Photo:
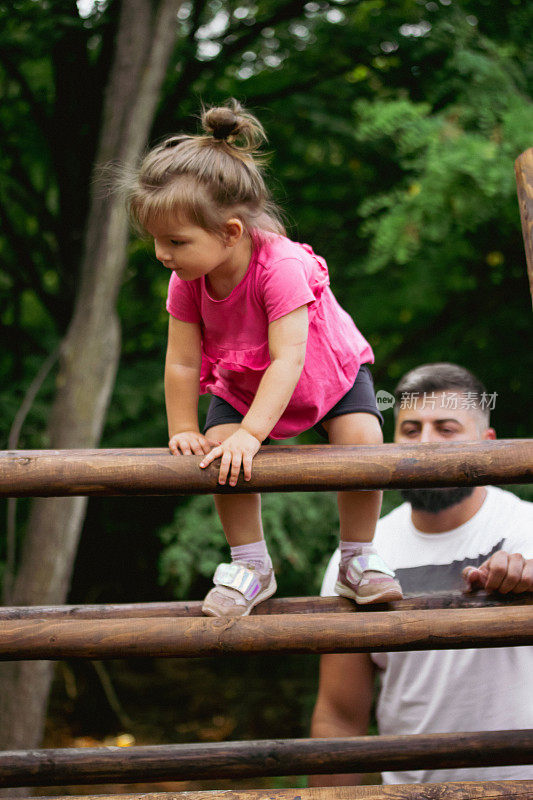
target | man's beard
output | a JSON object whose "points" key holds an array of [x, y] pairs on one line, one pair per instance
{"points": [[435, 500]]}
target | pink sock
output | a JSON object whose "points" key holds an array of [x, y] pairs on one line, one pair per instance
{"points": [[255, 553], [351, 549]]}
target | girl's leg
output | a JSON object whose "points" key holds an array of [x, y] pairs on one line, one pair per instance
{"points": [[237, 592], [240, 514], [358, 515], [358, 511]]}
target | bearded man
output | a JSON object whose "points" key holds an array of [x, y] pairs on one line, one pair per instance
{"points": [[439, 540]]}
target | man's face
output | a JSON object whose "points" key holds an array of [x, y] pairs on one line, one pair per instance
{"points": [[439, 417]]}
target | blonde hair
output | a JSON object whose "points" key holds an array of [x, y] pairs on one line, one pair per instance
{"points": [[208, 178]]}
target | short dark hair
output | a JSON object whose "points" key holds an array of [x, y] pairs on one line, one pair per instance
{"points": [[442, 377]]}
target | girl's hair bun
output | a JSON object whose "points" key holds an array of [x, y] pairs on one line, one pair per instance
{"points": [[207, 178], [232, 122], [221, 122]]}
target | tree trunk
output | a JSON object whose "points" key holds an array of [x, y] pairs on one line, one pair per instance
{"points": [[90, 350]]}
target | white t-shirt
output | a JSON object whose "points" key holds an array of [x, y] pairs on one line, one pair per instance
{"points": [[442, 691]]}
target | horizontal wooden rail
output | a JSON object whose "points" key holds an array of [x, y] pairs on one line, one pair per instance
{"points": [[292, 633], [474, 790], [276, 605], [43, 473], [253, 759]]}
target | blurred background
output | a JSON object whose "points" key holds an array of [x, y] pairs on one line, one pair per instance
{"points": [[393, 128]]}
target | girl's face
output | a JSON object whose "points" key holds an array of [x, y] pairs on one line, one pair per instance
{"points": [[188, 250]]}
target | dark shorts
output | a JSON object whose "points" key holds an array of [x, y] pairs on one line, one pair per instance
{"points": [[360, 398]]}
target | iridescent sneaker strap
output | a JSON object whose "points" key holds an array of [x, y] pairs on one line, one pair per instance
{"points": [[237, 577], [371, 562]]}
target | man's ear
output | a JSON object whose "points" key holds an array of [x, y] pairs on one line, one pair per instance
{"points": [[489, 433], [233, 231]]}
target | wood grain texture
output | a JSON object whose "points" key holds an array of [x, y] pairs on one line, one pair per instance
{"points": [[252, 759], [295, 633], [482, 790], [48, 473], [524, 185], [275, 605]]}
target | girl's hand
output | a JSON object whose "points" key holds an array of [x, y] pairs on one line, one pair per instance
{"points": [[238, 448], [188, 443]]}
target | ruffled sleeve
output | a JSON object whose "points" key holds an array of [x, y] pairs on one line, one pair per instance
{"points": [[290, 275], [284, 287], [183, 299]]}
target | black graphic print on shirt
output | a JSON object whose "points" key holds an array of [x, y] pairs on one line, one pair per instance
{"points": [[434, 578]]}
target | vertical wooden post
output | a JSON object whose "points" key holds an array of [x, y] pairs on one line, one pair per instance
{"points": [[524, 184]]}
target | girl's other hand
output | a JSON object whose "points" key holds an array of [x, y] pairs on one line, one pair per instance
{"points": [[188, 443], [237, 449]]}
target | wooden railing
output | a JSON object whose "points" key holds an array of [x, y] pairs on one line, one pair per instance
{"points": [[282, 625], [274, 757], [46, 473]]}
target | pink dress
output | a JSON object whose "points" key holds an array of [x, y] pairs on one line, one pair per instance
{"points": [[281, 277]]}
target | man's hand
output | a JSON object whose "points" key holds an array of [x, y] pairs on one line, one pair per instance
{"points": [[188, 443], [503, 572], [237, 449]]}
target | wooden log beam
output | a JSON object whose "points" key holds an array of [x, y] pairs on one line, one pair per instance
{"points": [[474, 790], [293, 633], [524, 184], [253, 759], [41, 473], [276, 605]]}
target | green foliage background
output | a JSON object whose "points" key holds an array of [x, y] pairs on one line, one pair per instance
{"points": [[393, 130]]}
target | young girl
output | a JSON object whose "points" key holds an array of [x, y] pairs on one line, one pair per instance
{"points": [[254, 323]]}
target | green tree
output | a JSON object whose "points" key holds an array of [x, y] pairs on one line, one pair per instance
{"points": [[91, 345], [83, 92], [393, 128]]}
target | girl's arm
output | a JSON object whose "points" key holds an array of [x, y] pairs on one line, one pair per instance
{"points": [[182, 382], [287, 341]]}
